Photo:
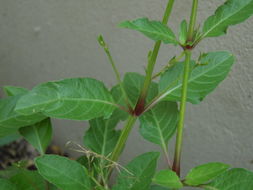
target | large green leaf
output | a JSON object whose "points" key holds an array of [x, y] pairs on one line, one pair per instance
{"points": [[231, 13], [234, 179], [75, 99], [14, 90], [159, 124], [64, 173], [39, 135], [133, 83], [204, 173], [203, 79], [139, 173], [10, 120], [28, 180], [167, 178], [155, 30], [7, 185], [102, 136]]}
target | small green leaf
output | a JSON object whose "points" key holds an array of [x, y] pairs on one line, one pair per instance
{"points": [[28, 180], [204, 173], [14, 90], [10, 120], [231, 13], [7, 185], [167, 178], [183, 32], [138, 174], [203, 79], [159, 124], [133, 83], [75, 99], [155, 30], [234, 179], [39, 135], [64, 173]]}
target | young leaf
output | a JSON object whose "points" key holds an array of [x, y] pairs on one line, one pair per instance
{"points": [[167, 178], [231, 13], [64, 173], [138, 174], [159, 124], [155, 30], [7, 185], [75, 99], [183, 32], [204, 173], [28, 180], [203, 79], [133, 83], [39, 135], [10, 120], [102, 136], [13, 90], [234, 179]]}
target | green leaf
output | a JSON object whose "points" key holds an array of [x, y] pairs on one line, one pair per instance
{"points": [[28, 180], [167, 178], [138, 174], [155, 30], [157, 187], [64, 173], [203, 78], [183, 32], [102, 136], [13, 90], [231, 13], [204, 173], [7, 185], [75, 99], [8, 139], [159, 124], [133, 83], [39, 135], [10, 120], [234, 179]]}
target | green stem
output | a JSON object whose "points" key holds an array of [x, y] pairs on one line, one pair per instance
{"points": [[179, 138], [122, 139], [107, 51], [152, 60], [193, 19]]}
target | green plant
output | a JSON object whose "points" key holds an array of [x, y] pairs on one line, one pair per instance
{"points": [[183, 79]]}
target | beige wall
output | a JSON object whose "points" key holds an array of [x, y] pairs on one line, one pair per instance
{"points": [[42, 40]]}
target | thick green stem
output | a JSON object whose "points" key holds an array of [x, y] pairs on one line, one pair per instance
{"points": [[152, 61], [179, 138], [123, 138]]}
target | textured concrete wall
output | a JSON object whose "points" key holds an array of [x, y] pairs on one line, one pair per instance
{"points": [[42, 40]]}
